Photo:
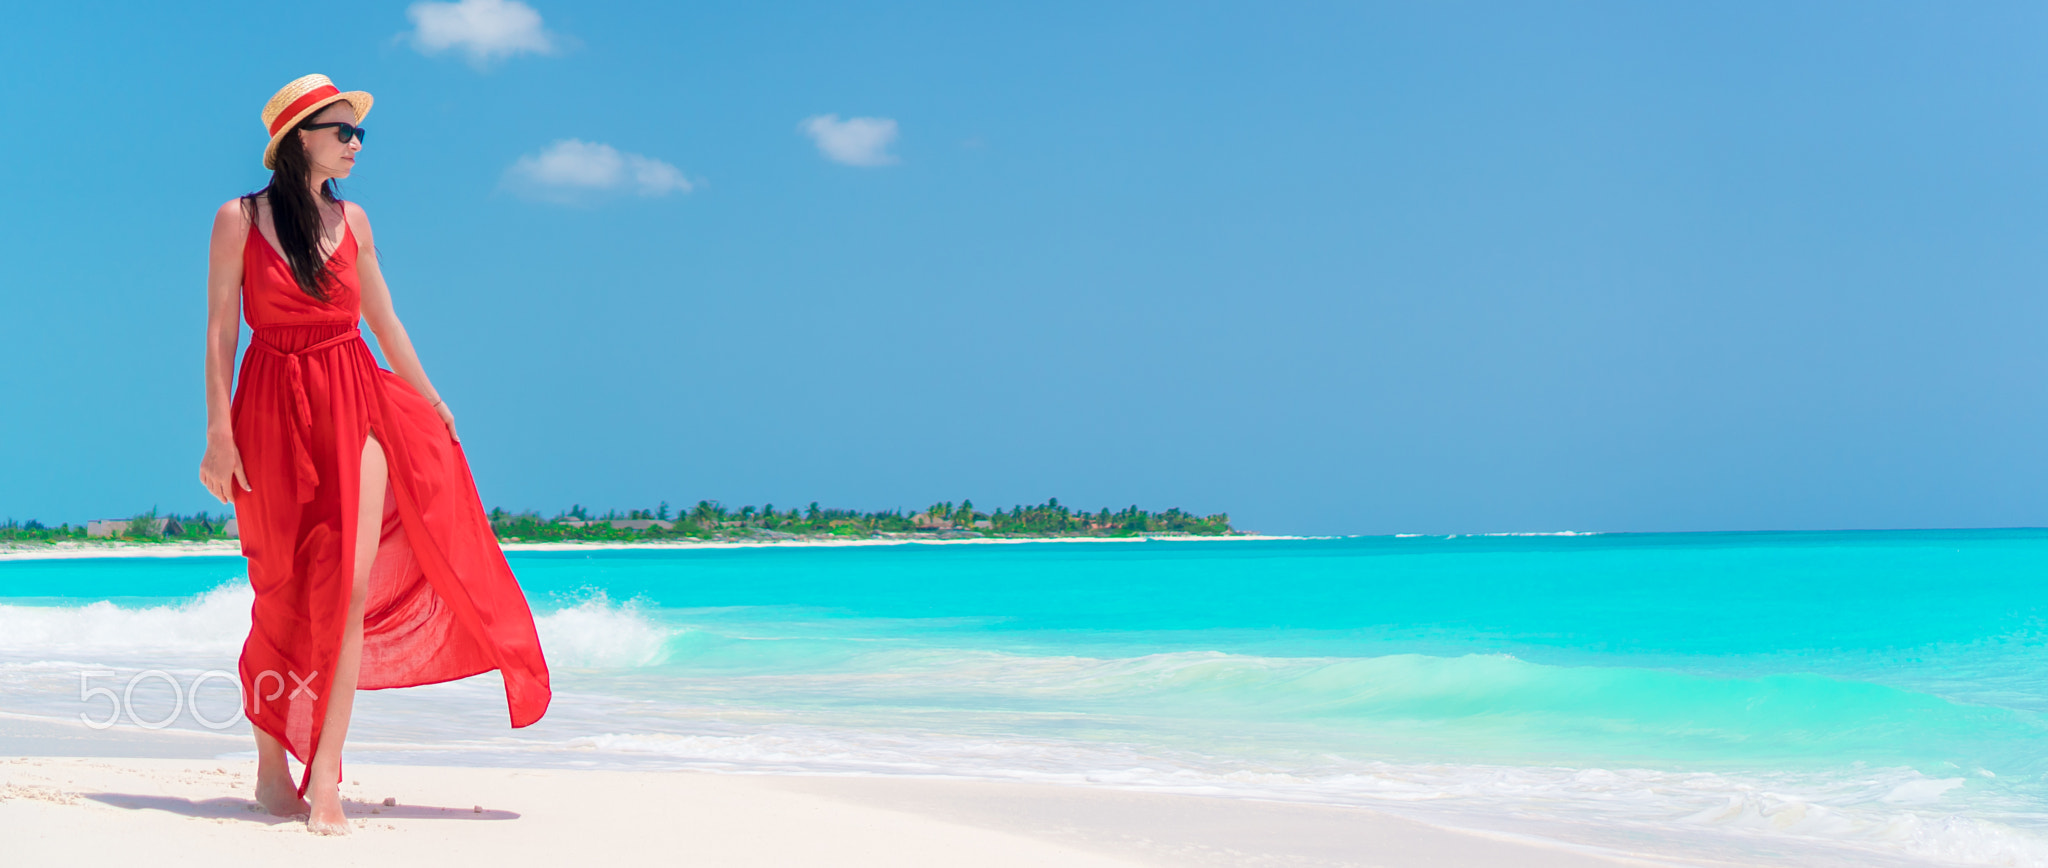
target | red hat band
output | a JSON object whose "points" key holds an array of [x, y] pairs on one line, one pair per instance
{"points": [[298, 105]]}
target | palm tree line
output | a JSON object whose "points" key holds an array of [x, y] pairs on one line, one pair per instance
{"points": [[709, 519], [148, 526]]}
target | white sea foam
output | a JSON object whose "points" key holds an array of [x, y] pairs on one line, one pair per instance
{"points": [[595, 633], [1921, 792], [599, 634], [210, 624], [1847, 821]]}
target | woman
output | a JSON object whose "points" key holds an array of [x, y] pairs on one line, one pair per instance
{"points": [[373, 563]]}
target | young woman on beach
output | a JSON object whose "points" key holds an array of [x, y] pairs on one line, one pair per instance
{"points": [[373, 563]]}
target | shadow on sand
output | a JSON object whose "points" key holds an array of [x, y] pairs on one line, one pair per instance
{"points": [[226, 808]]}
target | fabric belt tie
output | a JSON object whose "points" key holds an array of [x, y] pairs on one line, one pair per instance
{"points": [[302, 409]]}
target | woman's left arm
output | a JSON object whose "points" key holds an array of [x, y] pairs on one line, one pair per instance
{"points": [[383, 318]]}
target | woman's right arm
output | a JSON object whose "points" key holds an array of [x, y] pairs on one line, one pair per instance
{"points": [[221, 469]]}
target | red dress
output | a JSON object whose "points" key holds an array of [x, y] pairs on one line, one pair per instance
{"points": [[442, 601]]}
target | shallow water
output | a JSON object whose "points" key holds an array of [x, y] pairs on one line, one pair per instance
{"points": [[1815, 698]]}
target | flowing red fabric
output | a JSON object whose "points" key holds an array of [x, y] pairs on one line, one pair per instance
{"points": [[442, 600]]}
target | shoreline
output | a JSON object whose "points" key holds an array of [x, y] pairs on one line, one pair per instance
{"points": [[163, 793], [221, 548], [108, 810]]}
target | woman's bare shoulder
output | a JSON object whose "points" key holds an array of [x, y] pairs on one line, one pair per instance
{"points": [[231, 210], [230, 222], [356, 217]]}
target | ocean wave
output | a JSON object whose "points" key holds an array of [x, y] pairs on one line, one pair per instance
{"points": [[600, 634], [1474, 705], [1478, 705], [1545, 533], [593, 633], [211, 624]]}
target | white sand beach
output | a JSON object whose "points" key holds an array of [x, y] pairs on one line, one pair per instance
{"points": [[117, 549], [172, 812]]}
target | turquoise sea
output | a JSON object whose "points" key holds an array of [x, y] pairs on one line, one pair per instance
{"points": [[1843, 698]]}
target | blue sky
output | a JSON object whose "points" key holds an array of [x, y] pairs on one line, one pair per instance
{"points": [[1334, 268]]}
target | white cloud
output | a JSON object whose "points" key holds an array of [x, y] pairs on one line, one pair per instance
{"points": [[483, 30], [573, 170], [854, 141]]}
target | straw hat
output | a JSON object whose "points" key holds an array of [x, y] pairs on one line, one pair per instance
{"points": [[298, 101]]}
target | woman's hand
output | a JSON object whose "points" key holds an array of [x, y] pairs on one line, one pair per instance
{"points": [[448, 419], [221, 469]]}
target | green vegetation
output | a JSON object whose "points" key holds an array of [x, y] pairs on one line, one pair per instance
{"points": [[150, 526], [144, 526], [710, 520], [35, 531]]}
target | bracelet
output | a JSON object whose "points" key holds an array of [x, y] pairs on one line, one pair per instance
{"points": [[437, 403]]}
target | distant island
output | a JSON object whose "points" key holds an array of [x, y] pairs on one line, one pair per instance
{"points": [[707, 521]]}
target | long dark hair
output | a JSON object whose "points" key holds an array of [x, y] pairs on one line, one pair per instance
{"points": [[296, 214]]}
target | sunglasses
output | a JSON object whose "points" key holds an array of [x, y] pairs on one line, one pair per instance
{"points": [[342, 130]]}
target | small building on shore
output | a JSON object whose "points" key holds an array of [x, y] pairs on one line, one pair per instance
{"points": [[113, 527], [621, 523], [108, 528], [640, 524]]}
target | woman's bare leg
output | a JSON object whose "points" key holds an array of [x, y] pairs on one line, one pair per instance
{"points": [[275, 790], [325, 787]]}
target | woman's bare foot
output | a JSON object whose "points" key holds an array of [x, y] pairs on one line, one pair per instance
{"points": [[274, 790], [280, 799], [327, 817]]}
